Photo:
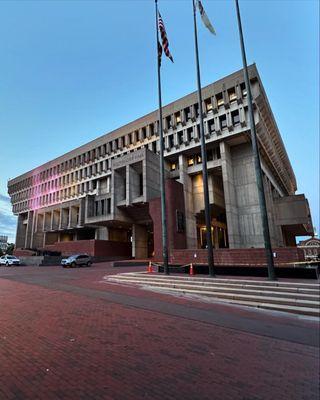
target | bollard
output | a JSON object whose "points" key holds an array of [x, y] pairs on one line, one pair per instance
{"points": [[150, 270]]}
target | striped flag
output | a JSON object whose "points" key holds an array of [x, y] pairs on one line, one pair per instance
{"points": [[205, 18], [159, 53], [163, 33]]}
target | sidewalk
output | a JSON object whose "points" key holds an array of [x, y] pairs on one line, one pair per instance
{"points": [[65, 335]]}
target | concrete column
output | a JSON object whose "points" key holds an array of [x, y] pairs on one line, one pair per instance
{"points": [[230, 197], [191, 227], [139, 241], [102, 233]]}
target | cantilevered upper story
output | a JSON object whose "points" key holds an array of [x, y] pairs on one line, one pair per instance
{"points": [[107, 184]]}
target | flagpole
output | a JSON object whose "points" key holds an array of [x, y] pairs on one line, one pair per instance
{"points": [[203, 153], [162, 172], [256, 155]]}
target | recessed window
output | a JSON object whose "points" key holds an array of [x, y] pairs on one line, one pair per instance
{"points": [[190, 161], [211, 126], [235, 118], [199, 159], [196, 110], [223, 121], [220, 100], [190, 134], [188, 113], [232, 95], [170, 139], [208, 104], [180, 137], [178, 117], [243, 89], [173, 166]]}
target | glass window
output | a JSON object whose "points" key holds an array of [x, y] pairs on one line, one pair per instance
{"points": [[220, 100], [223, 121], [208, 104], [190, 161], [235, 117]]}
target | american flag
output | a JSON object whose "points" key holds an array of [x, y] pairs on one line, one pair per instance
{"points": [[163, 33], [159, 53]]}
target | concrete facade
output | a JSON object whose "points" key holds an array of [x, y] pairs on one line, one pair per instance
{"points": [[104, 190]]}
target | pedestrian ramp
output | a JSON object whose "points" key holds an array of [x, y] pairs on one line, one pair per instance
{"points": [[292, 297]]}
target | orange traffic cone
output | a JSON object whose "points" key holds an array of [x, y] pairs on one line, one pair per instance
{"points": [[150, 270], [191, 271]]}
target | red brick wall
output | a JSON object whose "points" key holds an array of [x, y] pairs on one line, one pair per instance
{"points": [[174, 201], [97, 248], [236, 256], [23, 253]]}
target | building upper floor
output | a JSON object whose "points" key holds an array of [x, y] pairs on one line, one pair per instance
{"points": [[76, 173]]}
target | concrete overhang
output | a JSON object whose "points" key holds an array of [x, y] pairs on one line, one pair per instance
{"points": [[293, 215]]}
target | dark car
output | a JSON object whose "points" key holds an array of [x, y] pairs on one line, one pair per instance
{"points": [[77, 260]]}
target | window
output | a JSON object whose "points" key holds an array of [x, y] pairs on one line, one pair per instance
{"points": [[108, 206], [235, 118], [199, 159], [243, 89], [173, 166], [196, 110], [208, 105], [223, 121], [188, 113], [144, 133], [190, 161], [209, 155], [170, 140], [168, 120], [180, 137], [232, 95], [154, 146], [211, 126], [178, 117], [190, 134], [220, 100], [102, 207]]}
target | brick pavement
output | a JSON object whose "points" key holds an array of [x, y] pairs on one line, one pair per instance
{"points": [[55, 344]]}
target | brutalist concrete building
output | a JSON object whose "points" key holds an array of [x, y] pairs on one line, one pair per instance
{"points": [[107, 192]]}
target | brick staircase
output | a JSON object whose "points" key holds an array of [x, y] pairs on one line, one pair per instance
{"points": [[292, 297]]}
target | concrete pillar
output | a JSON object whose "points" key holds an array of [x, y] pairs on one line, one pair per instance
{"points": [[139, 241], [102, 233], [191, 226], [230, 197]]}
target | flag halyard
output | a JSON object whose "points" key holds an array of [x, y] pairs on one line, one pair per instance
{"points": [[205, 18], [164, 38]]}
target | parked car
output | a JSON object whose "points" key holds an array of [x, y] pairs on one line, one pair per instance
{"points": [[9, 260], [75, 260]]}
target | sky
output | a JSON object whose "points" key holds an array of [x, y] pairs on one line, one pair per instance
{"points": [[73, 70]]}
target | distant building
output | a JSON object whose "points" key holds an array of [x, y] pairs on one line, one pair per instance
{"points": [[109, 188], [311, 248], [3, 243]]}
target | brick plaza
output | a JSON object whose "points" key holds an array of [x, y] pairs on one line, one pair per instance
{"points": [[67, 334]]}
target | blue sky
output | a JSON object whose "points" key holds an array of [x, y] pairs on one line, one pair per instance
{"points": [[73, 70]]}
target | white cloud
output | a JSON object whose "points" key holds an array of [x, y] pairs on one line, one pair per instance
{"points": [[8, 221]]}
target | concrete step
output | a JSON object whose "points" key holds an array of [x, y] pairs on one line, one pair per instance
{"points": [[219, 288], [207, 282], [294, 297]]}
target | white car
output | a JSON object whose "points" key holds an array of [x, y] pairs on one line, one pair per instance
{"points": [[9, 260]]}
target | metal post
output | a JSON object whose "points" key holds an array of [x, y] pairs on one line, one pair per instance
{"points": [[162, 172], [257, 164], [203, 153]]}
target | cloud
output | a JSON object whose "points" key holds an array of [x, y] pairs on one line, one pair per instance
{"points": [[8, 221]]}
